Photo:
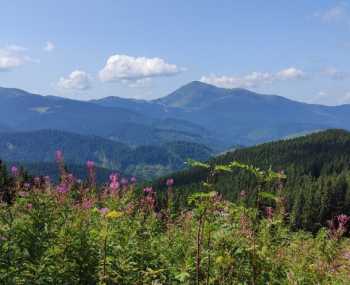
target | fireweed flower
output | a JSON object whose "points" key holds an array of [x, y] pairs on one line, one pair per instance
{"points": [[29, 206], [343, 219], [90, 164], [87, 204], [133, 180], [114, 183], [14, 171], [269, 212], [26, 185], [23, 194], [104, 211], [170, 182], [62, 189], [59, 155], [148, 190]]}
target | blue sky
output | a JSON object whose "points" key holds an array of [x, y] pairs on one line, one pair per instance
{"points": [[146, 49]]}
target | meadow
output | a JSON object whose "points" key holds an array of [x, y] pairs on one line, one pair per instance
{"points": [[125, 232]]}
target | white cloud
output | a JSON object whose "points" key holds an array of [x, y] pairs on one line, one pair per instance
{"points": [[290, 73], [49, 46], [12, 56], [334, 73], [333, 14], [77, 80], [124, 67], [253, 79]]}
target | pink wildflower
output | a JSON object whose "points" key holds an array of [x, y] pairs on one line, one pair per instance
{"points": [[170, 182], [104, 211], [59, 156], [14, 170]]}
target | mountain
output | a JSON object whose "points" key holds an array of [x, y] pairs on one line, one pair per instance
{"points": [[239, 116], [317, 167], [23, 111], [245, 117], [40, 146], [196, 112]]}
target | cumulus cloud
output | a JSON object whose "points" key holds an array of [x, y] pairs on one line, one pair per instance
{"points": [[12, 56], [253, 79], [124, 67], [77, 80], [290, 73], [49, 46]]}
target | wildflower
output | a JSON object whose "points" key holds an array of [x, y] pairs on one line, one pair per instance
{"points": [[148, 190], [59, 156], [23, 194], [26, 185], [104, 211], [133, 180], [170, 182], [114, 214], [29, 206], [242, 194], [90, 164], [62, 189], [343, 219], [87, 204], [14, 170], [269, 212]]}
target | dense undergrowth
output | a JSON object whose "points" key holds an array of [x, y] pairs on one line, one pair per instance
{"points": [[77, 233]]}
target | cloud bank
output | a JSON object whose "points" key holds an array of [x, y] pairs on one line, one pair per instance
{"points": [[254, 79]]}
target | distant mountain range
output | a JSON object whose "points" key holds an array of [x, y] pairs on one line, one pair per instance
{"points": [[197, 112], [38, 147]]}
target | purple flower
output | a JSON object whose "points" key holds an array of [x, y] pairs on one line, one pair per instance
{"points": [[170, 182], [87, 204], [242, 194], [148, 190], [14, 170], [26, 185], [113, 177], [269, 212], [90, 164], [104, 211], [343, 219], [62, 189], [23, 194], [133, 180], [29, 206], [59, 155]]}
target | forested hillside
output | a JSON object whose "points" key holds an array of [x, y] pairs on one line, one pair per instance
{"points": [[317, 168], [37, 147]]}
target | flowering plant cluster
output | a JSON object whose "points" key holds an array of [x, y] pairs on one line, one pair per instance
{"points": [[77, 233]]}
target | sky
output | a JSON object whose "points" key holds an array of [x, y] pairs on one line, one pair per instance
{"points": [[146, 49]]}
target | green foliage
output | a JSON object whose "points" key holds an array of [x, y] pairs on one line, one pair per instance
{"points": [[315, 177], [84, 235]]}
